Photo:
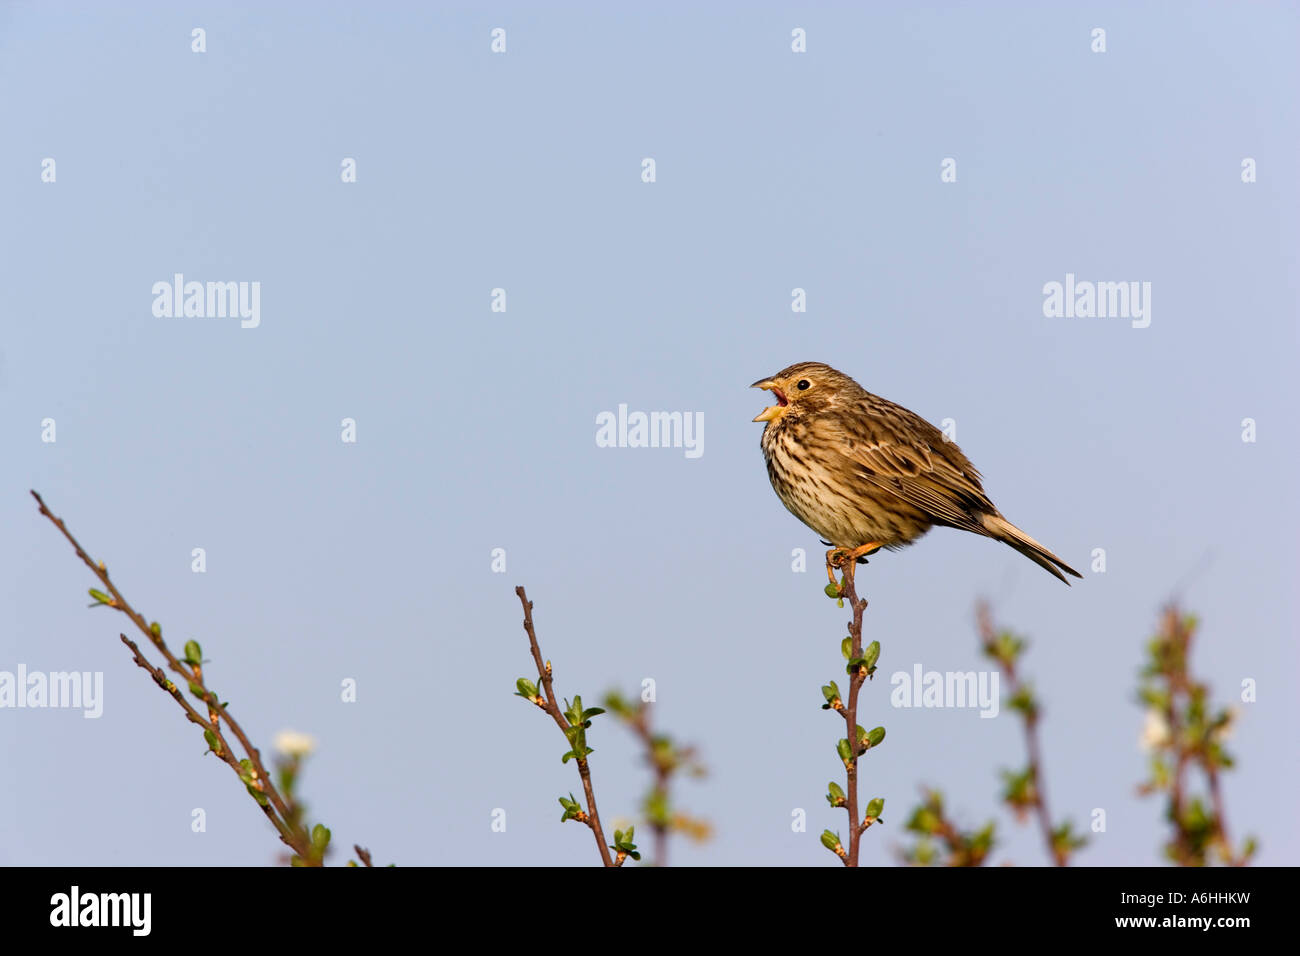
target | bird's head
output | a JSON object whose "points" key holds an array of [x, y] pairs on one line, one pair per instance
{"points": [[803, 388]]}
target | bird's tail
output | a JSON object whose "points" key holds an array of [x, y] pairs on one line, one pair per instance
{"points": [[999, 527]]}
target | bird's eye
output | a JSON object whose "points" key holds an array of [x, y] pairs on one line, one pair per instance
{"points": [[803, 384]]}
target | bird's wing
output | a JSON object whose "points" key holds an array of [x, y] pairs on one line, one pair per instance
{"points": [[906, 455]]}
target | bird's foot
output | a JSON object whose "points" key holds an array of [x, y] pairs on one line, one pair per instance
{"points": [[846, 559]]}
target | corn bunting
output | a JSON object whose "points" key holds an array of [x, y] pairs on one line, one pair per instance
{"points": [[866, 474]]}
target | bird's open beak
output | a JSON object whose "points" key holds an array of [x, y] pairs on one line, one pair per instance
{"points": [[772, 412]]}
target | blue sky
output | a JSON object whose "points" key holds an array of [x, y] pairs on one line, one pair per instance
{"points": [[371, 561]]}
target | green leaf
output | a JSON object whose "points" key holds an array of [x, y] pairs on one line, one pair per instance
{"points": [[100, 596], [924, 820], [832, 591], [1023, 701], [846, 647], [623, 843], [831, 692], [871, 654], [320, 836], [525, 689], [198, 691], [571, 808], [578, 753], [193, 653], [617, 705], [830, 840], [656, 808], [875, 737], [876, 807]]}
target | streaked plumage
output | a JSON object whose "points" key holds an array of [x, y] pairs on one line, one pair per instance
{"points": [[858, 469]]}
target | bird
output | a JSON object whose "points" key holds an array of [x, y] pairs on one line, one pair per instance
{"points": [[866, 474]]}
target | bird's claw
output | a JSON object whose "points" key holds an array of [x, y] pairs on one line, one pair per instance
{"points": [[846, 560]]}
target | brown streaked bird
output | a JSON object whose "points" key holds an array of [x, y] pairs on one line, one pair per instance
{"points": [[866, 474]]}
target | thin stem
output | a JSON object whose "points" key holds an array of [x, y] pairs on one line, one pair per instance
{"points": [[988, 634], [850, 713], [277, 812], [1178, 635], [640, 724], [1216, 798], [1040, 787], [224, 751], [552, 707], [1178, 640]]}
